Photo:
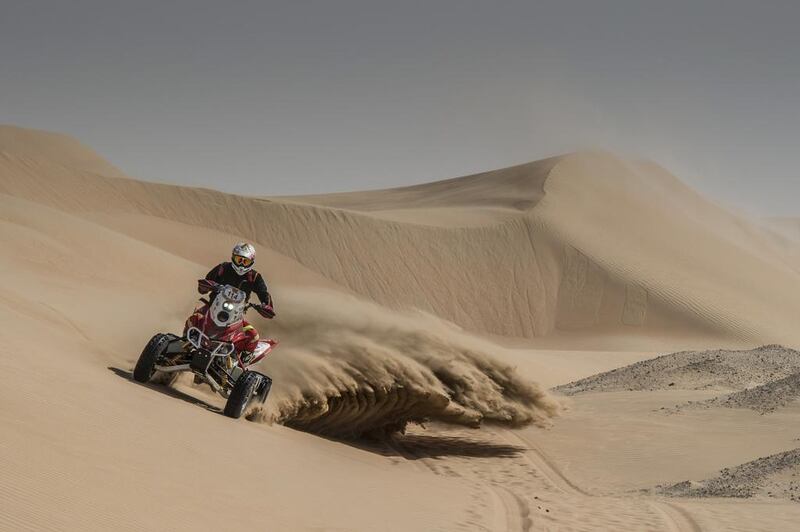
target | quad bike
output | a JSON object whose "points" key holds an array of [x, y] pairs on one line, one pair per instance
{"points": [[208, 349]]}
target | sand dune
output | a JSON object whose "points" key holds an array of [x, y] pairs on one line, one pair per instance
{"points": [[566, 259], [86, 449], [34, 144], [386, 368], [482, 199], [392, 308], [91, 285]]}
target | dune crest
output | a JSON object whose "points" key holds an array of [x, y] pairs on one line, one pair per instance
{"points": [[572, 243], [34, 144]]}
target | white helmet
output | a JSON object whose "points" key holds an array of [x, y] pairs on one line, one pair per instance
{"points": [[243, 257]]}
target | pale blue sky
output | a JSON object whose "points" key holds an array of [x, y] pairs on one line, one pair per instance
{"points": [[312, 96]]}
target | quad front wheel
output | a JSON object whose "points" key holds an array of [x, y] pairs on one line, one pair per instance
{"points": [[243, 390], [145, 366]]}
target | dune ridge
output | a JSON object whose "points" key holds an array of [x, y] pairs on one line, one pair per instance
{"points": [[547, 261], [54, 147]]}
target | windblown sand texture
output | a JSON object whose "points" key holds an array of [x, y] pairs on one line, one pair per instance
{"points": [[455, 304]]}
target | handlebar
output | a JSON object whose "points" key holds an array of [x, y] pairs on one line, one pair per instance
{"points": [[205, 286], [266, 311]]}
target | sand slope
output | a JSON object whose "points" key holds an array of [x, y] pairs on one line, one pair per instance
{"points": [[380, 297], [80, 293], [56, 148], [85, 448], [591, 242]]}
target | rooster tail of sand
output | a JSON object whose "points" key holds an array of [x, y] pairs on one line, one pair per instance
{"points": [[350, 368]]}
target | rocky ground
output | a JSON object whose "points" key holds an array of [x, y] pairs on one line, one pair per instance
{"points": [[765, 398], [699, 370], [763, 379], [776, 476]]}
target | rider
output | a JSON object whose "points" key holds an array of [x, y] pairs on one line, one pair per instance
{"points": [[239, 273]]}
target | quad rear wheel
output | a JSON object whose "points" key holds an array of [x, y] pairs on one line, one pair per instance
{"points": [[243, 390], [145, 366], [263, 389]]}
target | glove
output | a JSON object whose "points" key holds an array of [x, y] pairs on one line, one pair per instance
{"points": [[205, 286], [267, 311]]}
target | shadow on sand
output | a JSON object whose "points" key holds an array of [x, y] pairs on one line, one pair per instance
{"points": [[408, 446], [419, 446], [166, 390]]}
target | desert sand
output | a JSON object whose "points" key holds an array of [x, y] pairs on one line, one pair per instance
{"points": [[476, 305]]}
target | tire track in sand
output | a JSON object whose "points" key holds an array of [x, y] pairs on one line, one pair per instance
{"points": [[514, 514], [509, 511], [677, 519], [544, 465]]}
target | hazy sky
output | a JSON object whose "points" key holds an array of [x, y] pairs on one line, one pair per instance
{"points": [[310, 96]]}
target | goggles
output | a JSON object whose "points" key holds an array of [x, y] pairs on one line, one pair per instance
{"points": [[242, 261]]}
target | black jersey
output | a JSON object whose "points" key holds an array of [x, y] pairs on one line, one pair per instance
{"points": [[249, 282]]}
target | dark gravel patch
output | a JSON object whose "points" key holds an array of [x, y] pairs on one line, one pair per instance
{"points": [[696, 370], [776, 476]]}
